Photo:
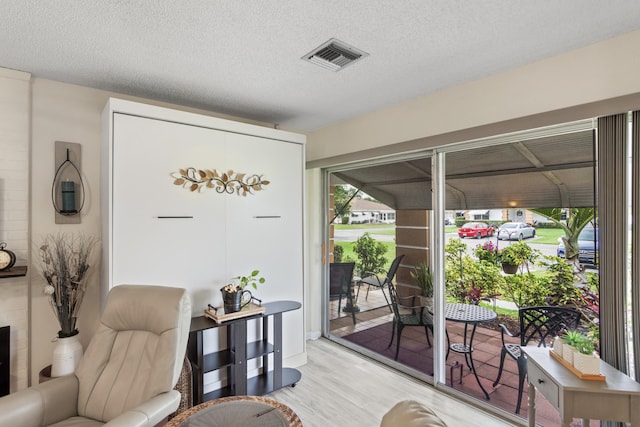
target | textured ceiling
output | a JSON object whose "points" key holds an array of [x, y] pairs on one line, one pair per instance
{"points": [[242, 57]]}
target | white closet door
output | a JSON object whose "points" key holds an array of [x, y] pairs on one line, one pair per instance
{"points": [[265, 228], [165, 234]]}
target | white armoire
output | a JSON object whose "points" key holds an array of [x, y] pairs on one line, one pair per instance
{"points": [[157, 232]]}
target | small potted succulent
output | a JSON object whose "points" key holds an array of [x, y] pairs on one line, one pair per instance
{"points": [[569, 348], [585, 359], [558, 344], [235, 296]]}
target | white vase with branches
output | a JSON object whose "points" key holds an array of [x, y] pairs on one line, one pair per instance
{"points": [[65, 262]]}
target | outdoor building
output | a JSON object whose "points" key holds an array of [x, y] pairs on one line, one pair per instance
{"points": [[367, 211]]}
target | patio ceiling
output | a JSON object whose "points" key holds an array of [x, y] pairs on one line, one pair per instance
{"points": [[549, 171]]}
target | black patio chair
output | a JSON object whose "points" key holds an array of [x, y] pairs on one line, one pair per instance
{"points": [[371, 279], [419, 316], [340, 277], [538, 325]]}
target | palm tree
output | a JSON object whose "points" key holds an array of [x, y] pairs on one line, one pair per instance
{"points": [[577, 219]]}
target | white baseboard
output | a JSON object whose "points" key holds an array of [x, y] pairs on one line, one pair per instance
{"points": [[313, 335]]}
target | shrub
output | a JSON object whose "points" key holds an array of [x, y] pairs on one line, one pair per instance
{"points": [[338, 252], [525, 289], [467, 280], [518, 253], [370, 253], [487, 252], [562, 289]]}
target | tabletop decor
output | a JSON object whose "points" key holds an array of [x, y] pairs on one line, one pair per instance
{"points": [[223, 182], [578, 354], [65, 265], [235, 296]]}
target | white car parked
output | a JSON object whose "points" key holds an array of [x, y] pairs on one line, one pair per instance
{"points": [[515, 231]]}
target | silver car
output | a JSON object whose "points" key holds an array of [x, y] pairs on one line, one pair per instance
{"points": [[515, 231]]}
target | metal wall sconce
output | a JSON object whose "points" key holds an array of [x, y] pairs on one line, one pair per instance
{"points": [[67, 188]]}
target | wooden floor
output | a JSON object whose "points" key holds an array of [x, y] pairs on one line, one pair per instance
{"points": [[341, 388]]}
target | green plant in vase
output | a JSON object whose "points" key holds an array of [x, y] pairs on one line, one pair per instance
{"points": [[571, 338], [585, 345], [235, 296], [585, 359]]}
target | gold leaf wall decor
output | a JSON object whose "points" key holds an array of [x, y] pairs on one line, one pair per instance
{"points": [[223, 182]]}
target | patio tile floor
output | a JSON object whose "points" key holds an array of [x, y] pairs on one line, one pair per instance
{"points": [[486, 356]]}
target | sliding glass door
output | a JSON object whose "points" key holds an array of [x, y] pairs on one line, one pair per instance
{"points": [[455, 215]]}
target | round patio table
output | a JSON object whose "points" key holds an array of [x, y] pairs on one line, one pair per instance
{"points": [[468, 314], [238, 411]]}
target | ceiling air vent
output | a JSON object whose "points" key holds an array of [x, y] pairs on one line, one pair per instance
{"points": [[334, 55]]}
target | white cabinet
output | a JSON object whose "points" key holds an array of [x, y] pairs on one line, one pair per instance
{"points": [[155, 232]]}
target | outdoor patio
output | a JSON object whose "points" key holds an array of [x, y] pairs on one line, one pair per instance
{"points": [[373, 331]]}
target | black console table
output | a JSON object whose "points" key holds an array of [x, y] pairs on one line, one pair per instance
{"points": [[234, 357]]}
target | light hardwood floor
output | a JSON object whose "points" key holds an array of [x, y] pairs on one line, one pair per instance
{"points": [[341, 388]]}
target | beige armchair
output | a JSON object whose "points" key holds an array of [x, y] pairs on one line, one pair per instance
{"points": [[128, 371]]}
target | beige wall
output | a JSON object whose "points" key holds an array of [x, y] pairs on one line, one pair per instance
{"points": [[598, 72]]}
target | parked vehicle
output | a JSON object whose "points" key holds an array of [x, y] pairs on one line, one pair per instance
{"points": [[515, 231], [588, 244], [475, 229]]}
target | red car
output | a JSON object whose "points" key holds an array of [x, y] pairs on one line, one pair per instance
{"points": [[475, 229]]}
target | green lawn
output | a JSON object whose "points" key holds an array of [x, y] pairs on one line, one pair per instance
{"points": [[349, 255], [548, 236], [360, 226]]}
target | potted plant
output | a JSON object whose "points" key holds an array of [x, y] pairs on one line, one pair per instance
{"points": [[235, 296], [517, 255], [65, 263], [558, 345], [584, 358], [569, 348], [487, 252], [422, 277]]}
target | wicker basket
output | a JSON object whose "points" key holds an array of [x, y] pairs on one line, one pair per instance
{"points": [[185, 387]]}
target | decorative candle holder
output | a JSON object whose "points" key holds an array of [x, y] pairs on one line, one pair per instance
{"points": [[67, 188]]}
